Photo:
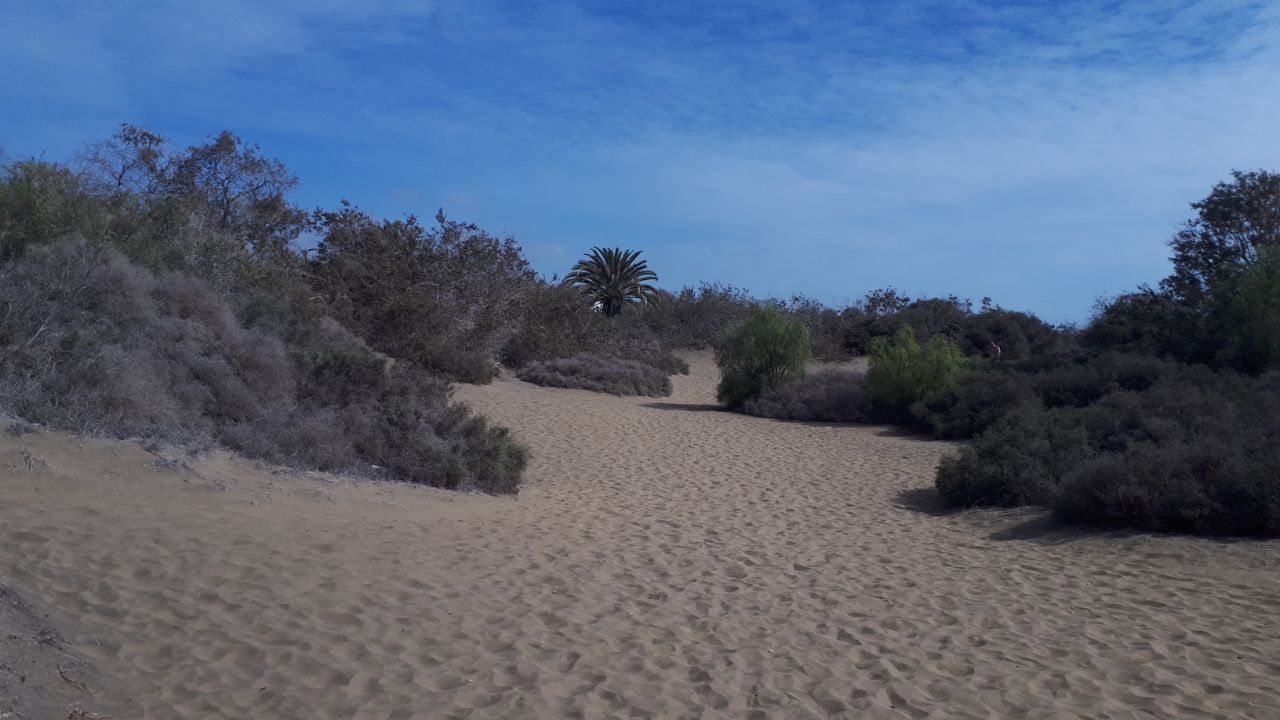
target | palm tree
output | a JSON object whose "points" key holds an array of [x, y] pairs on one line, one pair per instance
{"points": [[612, 278]]}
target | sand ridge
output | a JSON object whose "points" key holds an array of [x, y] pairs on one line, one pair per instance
{"points": [[665, 560]]}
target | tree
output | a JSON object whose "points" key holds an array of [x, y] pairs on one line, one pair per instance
{"points": [[614, 278], [1249, 314], [765, 351], [1231, 225]]}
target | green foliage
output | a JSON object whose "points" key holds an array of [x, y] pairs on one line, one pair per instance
{"points": [[42, 202], [1232, 224], [614, 278], [904, 371], [1249, 314], [766, 350]]}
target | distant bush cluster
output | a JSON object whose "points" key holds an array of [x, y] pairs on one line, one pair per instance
{"points": [[587, 372], [1160, 415]]}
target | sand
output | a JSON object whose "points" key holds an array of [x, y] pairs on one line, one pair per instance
{"points": [[665, 560]]}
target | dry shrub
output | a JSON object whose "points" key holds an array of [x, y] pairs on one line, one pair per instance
{"points": [[98, 345], [587, 372], [831, 395]]}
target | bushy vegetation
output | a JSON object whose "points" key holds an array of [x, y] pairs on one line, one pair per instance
{"points": [[587, 372], [1159, 415], [157, 293], [147, 291], [830, 395], [100, 345], [1167, 420], [904, 371], [765, 351], [1196, 452]]}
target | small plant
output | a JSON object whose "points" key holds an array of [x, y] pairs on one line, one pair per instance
{"points": [[766, 350], [903, 371]]}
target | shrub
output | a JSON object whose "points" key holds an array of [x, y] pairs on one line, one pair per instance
{"points": [[1020, 335], [1210, 485], [766, 350], [555, 322], [96, 344], [832, 395], [697, 318], [1019, 460], [1194, 451], [448, 298], [586, 372], [827, 327], [903, 371], [1082, 381], [978, 400]]}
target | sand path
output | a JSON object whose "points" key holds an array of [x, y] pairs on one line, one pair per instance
{"points": [[664, 561]]}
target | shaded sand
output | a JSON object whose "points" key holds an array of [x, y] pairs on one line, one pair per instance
{"points": [[665, 560]]}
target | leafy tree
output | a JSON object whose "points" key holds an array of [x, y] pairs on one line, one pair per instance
{"points": [[885, 301], [766, 350], [614, 278], [1249, 314], [42, 202], [1231, 225]]}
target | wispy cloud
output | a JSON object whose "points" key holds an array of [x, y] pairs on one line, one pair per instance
{"points": [[1039, 153]]}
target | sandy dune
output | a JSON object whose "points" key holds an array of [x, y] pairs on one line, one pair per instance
{"points": [[664, 561]]}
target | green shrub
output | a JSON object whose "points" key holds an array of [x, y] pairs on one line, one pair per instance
{"points": [[586, 372], [903, 371], [766, 350]]}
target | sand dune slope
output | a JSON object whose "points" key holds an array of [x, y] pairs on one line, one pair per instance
{"points": [[665, 561]]}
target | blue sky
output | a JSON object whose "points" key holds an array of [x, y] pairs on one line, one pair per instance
{"points": [[1040, 153]]}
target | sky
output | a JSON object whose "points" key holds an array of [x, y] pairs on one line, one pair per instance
{"points": [[1039, 153]]}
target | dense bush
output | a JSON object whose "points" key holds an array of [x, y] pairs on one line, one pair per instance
{"points": [[978, 400], [448, 299], [1210, 485], [697, 318], [765, 351], [1195, 451], [586, 372], [1019, 460], [830, 395], [96, 344], [557, 324], [904, 371]]}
